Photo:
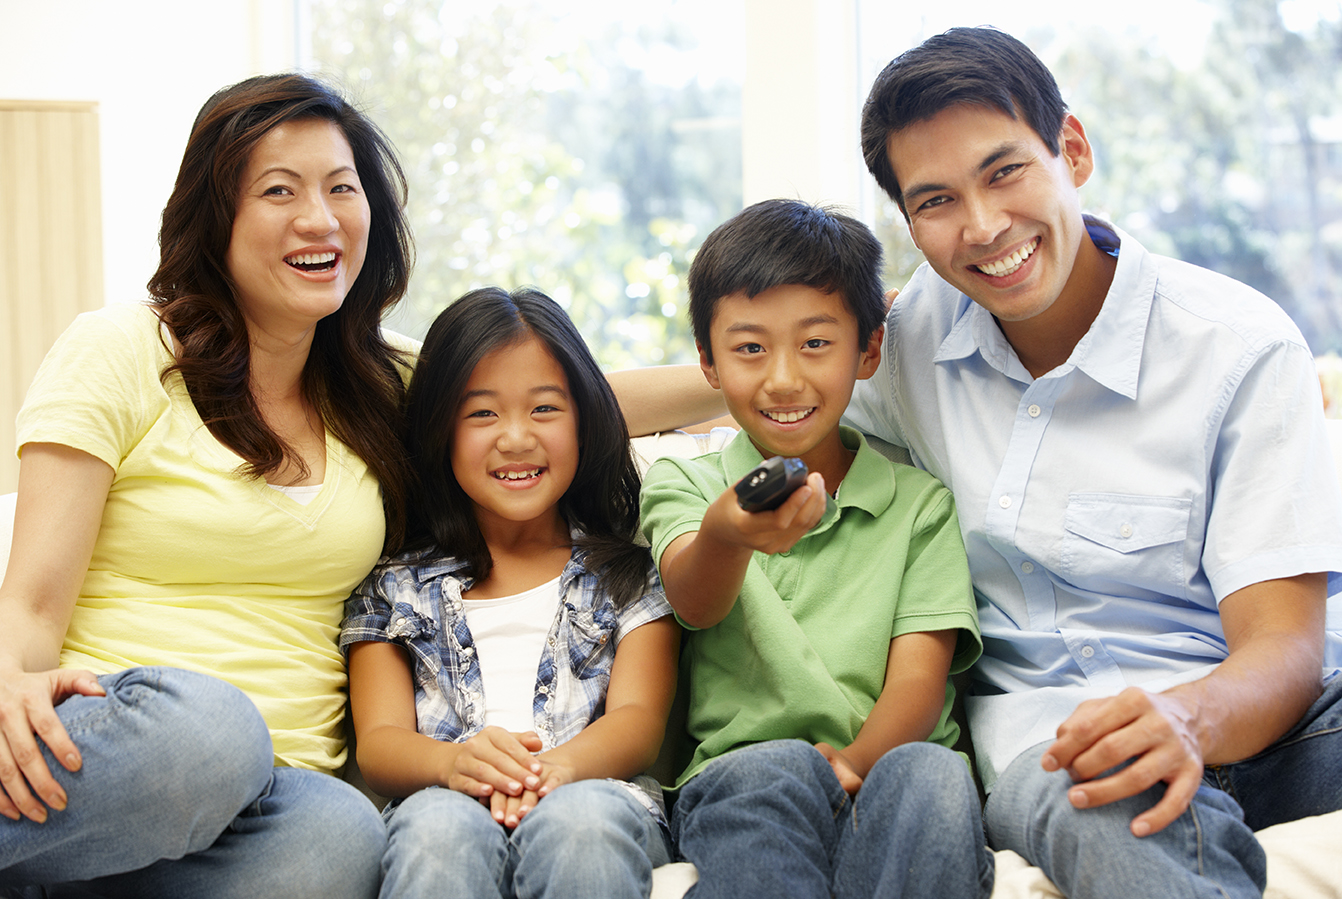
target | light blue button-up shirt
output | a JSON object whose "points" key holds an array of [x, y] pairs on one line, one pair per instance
{"points": [[1108, 506]]}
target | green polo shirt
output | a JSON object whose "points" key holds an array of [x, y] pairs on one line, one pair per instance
{"points": [[802, 654]]}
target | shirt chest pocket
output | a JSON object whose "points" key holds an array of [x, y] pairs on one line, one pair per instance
{"points": [[1115, 541], [591, 640]]}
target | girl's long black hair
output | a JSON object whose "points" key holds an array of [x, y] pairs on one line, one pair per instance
{"points": [[602, 501]]}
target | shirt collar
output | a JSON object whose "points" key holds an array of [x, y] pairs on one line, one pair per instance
{"points": [[1110, 353], [869, 484]]}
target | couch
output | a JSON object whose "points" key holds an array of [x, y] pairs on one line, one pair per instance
{"points": [[1304, 857]]}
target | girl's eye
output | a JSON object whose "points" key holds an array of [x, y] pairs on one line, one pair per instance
{"points": [[543, 409], [479, 413]]}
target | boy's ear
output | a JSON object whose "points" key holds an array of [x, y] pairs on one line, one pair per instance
{"points": [[709, 369], [871, 356]]}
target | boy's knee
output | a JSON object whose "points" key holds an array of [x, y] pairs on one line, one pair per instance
{"points": [[938, 772]]}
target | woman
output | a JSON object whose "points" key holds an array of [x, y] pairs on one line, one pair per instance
{"points": [[202, 482]]}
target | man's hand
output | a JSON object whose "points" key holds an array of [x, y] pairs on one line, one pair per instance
{"points": [[1155, 730]]}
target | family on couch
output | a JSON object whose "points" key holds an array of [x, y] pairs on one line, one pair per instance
{"points": [[1145, 498]]}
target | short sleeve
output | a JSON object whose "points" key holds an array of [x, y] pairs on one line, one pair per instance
{"points": [[1276, 506], [675, 496], [936, 593], [97, 387]]}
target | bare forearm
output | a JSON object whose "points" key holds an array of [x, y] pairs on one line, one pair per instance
{"points": [[397, 762], [905, 714], [704, 577], [1253, 697], [664, 397], [621, 744]]}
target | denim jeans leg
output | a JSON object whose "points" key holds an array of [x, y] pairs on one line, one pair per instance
{"points": [[1299, 775], [1091, 853], [446, 845], [914, 831], [586, 839], [760, 821], [170, 758]]}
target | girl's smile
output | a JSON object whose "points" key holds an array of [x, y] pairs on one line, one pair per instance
{"points": [[515, 443]]}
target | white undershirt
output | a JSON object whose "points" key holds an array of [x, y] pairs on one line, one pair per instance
{"points": [[302, 494], [509, 634]]}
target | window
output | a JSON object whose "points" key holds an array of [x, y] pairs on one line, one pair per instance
{"points": [[585, 148], [1217, 127]]}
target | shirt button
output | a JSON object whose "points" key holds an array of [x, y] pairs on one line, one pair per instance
{"points": [[1126, 530], [1087, 652], [1034, 410], [1004, 502], [545, 691], [467, 651], [1027, 567]]}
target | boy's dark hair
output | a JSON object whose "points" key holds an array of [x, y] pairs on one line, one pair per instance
{"points": [[779, 242], [602, 501], [970, 66]]}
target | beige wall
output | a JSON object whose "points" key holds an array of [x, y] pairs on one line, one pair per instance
{"points": [[51, 265]]}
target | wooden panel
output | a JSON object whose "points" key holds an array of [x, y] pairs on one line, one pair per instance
{"points": [[51, 266]]}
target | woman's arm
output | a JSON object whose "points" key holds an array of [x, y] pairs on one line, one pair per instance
{"points": [[396, 759], [664, 398], [62, 492]]}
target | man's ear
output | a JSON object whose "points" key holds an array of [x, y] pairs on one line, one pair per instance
{"points": [[871, 356], [1075, 148], [708, 368]]}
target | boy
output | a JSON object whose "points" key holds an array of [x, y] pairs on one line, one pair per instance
{"points": [[822, 632]]}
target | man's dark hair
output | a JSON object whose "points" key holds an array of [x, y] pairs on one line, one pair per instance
{"points": [[779, 242], [964, 66]]}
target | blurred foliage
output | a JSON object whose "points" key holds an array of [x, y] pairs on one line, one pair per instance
{"points": [[536, 160], [1234, 164]]}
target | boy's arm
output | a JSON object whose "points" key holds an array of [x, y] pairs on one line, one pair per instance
{"points": [[908, 708], [396, 759], [702, 571]]}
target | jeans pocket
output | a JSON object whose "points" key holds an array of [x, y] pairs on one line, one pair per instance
{"points": [[1111, 541]]}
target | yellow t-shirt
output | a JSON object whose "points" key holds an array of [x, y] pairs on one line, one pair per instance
{"points": [[196, 567]]}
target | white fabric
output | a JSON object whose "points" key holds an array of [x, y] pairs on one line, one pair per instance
{"points": [[505, 630]]}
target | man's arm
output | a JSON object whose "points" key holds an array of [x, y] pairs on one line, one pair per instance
{"points": [[664, 398], [1274, 631]]}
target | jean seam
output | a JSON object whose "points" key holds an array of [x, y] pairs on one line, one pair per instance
{"points": [[1197, 836]]}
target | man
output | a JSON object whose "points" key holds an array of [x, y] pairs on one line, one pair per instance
{"points": [[1144, 484]]}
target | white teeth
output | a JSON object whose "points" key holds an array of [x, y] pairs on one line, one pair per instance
{"points": [[1011, 263], [312, 259], [517, 475], [788, 418]]}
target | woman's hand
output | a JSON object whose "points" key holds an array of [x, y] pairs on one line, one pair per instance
{"points": [[28, 712]]}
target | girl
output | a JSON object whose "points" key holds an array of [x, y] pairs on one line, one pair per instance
{"points": [[519, 661]]}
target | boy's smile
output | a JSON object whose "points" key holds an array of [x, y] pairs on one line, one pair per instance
{"points": [[786, 361]]}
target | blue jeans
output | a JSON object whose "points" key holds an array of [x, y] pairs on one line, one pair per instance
{"points": [[585, 839], [772, 820], [178, 796], [1209, 851]]}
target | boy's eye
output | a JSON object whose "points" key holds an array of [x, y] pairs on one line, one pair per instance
{"points": [[816, 343], [750, 348]]}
